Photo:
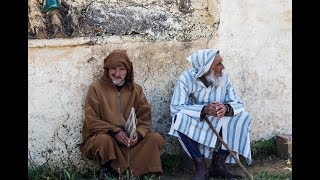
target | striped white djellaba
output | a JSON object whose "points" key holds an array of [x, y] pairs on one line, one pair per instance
{"points": [[235, 129]]}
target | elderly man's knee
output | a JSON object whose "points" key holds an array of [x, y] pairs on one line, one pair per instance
{"points": [[156, 137]]}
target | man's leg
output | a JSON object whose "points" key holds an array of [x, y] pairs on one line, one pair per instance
{"points": [[197, 157], [105, 171], [218, 167], [103, 149]]}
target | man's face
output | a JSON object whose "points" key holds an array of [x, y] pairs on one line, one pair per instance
{"points": [[217, 66], [215, 74], [118, 74]]}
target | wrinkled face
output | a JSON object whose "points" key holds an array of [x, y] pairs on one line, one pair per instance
{"points": [[118, 75], [215, 75], [217, 66]]}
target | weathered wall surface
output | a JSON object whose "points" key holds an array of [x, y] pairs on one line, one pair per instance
{"points": [[254, 38], [181, 20]]}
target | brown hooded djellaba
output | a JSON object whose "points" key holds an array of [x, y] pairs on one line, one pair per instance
{"points": [[106, 111]]}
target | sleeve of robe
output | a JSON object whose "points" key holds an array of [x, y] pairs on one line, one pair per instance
{"points": [[180, 98], [93, 119], [143, 114], [233, 99]]}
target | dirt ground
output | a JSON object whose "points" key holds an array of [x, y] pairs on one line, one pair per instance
{"points": [[272, 166]]}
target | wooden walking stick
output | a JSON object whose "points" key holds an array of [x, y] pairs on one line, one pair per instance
{"points": [[224, 144]]}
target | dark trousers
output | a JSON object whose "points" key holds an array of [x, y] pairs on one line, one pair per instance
{"points": [[192, 146]]}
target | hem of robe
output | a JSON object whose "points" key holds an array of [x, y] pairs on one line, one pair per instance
{"points": [[150, 169], [174, 132]]}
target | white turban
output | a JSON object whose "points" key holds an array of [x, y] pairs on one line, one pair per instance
{"points": [[201, 60]]}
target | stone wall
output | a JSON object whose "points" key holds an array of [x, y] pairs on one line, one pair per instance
{"points": [[164, 20], [254, 38]]}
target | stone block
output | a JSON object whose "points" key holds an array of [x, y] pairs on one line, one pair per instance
{"points": [[284, 145]]}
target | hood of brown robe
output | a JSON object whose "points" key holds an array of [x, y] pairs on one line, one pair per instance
{"points": [[106, 109], [116, 58]]}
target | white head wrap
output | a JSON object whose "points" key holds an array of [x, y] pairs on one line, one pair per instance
{"points": [[201, 60]]}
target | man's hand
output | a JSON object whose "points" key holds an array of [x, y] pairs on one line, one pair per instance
{"points": [[134, 140], [221, 109], [215, 109], [122, 138]]}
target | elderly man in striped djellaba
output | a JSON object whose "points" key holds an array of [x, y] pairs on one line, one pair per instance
{"points": [[217, 100]]}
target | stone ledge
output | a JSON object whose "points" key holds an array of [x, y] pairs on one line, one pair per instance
{"points": [[95, 40], [58, 42]]}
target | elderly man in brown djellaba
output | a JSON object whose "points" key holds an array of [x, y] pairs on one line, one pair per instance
{"points": [[108, 104]]}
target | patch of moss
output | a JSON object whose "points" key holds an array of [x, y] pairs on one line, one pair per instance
{"points": [[264, 148], [172, 162]]}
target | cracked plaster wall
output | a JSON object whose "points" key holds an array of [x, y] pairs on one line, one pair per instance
{"points": [[255, 41]]}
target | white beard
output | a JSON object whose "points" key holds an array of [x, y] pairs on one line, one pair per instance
{"points": [[118, 83], [215, 80]]}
